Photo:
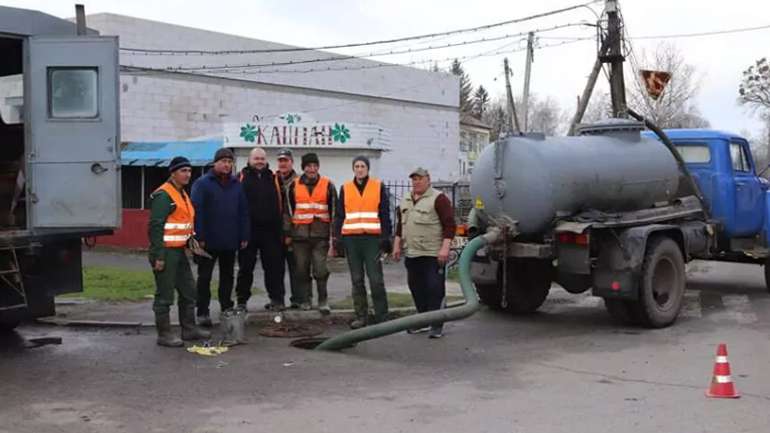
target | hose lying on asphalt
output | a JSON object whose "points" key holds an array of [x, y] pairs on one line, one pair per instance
{"points": [[423, 319]]}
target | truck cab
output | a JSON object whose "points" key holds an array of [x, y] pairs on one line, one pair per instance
{"points": [[724, 169]]}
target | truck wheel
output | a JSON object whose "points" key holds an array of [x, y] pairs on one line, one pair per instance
{"points": [[621, 311], [529, 281], [489, 295], [767, 274], [662, 284], [8, 325]]}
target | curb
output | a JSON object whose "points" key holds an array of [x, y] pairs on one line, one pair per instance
{"points": [[253, 318]]}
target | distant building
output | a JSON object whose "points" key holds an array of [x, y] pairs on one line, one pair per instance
{"points": [[399, 116], [474, 137]]}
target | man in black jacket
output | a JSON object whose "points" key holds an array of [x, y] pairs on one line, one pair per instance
{"points": [[263, 194]]}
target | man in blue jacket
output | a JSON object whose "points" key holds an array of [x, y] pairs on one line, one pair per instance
{"points": [[221, 228]]}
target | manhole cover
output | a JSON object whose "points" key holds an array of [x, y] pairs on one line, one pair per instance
{"points": [[291, 330]]}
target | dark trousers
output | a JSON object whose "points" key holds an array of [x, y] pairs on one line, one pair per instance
{"points": [[362, 252], [426, 282], [226, 261], [267, 245], [310, 256], [176, 275], [288, 255]]}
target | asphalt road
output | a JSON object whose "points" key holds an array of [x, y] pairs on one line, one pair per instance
{"points": [[565, 369]]}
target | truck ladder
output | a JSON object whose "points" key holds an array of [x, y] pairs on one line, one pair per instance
{"points": [[10, 277]]}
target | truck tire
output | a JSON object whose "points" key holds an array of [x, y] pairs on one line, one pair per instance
{"points": [[767, 274], [8, 325], [529, 281], [662, 284], [489, 295]]}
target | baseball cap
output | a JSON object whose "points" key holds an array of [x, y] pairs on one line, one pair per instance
{"points": [[285, 153], [419, 171]]}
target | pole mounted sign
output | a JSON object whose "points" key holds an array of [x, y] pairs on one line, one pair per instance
{"points": [[299, 130], [655, 82]]}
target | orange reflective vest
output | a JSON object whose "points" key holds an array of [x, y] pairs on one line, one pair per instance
{"points": [[312, 206], [362, 210], [179, 224]]}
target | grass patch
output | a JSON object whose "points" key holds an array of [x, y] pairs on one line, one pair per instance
{"points": [[453, 274], [395, 300], [112, 284], [103, 283]]}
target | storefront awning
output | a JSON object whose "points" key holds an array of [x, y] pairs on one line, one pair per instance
{"points": [[160, 153]]}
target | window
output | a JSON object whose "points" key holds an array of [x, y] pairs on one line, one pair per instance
{"points": [[738, 157], [694, 153], [73, 93]]}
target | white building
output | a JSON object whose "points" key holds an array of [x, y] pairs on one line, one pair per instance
{"points": [[398, 116]]}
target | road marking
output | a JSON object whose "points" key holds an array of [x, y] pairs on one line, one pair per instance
{"points": [[691, 304], [738, 308]]}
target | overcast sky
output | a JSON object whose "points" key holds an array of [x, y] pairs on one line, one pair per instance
{"points": [[558, 71]]}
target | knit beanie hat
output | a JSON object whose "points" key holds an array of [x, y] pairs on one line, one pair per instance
{"points": [[363, 159], [224, 153], [177, 163], [309, 158]]}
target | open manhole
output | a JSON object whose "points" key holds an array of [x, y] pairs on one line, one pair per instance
{"points": [[291, 329], [308, 343], [311, 343]]}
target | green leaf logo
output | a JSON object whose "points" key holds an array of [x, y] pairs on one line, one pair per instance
{"points": [[340, 133], [249, 132]]}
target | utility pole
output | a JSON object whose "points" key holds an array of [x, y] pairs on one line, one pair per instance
{"points": [[527, 72], [586, 97], [511, 105], [614, 56]]}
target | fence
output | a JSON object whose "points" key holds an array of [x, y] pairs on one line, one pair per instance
{"points": [[458, 192]]}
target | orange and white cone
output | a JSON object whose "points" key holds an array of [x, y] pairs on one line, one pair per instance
{"points": [[722, 383]]}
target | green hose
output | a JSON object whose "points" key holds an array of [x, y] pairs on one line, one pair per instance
{"points": [[423, 319]]}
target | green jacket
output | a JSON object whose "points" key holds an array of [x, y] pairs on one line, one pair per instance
{"points": [[161, 207]]}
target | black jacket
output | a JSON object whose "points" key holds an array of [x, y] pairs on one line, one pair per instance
{"points": [[263, 195]]}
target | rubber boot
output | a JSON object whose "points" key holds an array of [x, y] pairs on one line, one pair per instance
{"points": [[165, 336], [189, 330]]}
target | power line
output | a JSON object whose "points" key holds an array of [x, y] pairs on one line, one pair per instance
{"points": [[360, 44], [711, 33], [496, 52], [372, 54]]}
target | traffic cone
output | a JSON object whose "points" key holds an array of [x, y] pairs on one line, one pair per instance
{"points": [[721, 383]]}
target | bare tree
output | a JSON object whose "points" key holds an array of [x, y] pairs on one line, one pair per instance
{"points": [[754, 90], [496, 117], [675, 108], [546, 116], [599, 108]]}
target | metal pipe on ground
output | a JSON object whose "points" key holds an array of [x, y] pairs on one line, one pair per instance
{"points": [[423, 319]]}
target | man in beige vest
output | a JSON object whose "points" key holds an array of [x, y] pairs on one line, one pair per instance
{"points": [[424, 230]]}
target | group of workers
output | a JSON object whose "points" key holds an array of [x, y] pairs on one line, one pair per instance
{"points": [[290, 220]]}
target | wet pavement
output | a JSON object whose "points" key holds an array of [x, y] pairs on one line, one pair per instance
{"points": [[565, 369]]}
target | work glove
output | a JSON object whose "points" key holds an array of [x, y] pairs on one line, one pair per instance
{"points": [[386, 246]]}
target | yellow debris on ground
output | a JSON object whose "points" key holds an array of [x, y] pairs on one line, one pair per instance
{"points": [[208, 350]]}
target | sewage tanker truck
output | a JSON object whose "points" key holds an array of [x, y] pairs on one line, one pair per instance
{"points": [[616, 210]]}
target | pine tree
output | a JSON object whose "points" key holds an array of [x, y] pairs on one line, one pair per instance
{"points": [[480, 101], [466, 105]]}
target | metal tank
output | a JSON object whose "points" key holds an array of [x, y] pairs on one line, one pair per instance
{"points": [[611, 167]]}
